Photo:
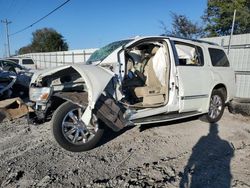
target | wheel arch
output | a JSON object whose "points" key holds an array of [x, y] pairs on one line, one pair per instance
{"points": [[219, 86], [106, 108]]}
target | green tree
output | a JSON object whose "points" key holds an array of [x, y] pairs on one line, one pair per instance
{"points": [[219, 15], [45, 40], [25, 50], [182, 26]]}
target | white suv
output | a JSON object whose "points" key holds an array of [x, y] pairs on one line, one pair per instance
{"points": [[136, 81], [24, 61]]}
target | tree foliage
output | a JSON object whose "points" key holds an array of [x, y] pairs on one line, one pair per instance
{"points": [[25, 50], [219, 15], [182, 26], [45, 40]]}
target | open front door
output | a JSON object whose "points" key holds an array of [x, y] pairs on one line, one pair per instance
{"points": [[146, 77]]}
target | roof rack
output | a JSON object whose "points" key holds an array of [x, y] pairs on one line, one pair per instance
{"points": [[194, 40]]}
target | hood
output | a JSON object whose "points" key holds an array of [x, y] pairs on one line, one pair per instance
{"points": [[96, 78]]}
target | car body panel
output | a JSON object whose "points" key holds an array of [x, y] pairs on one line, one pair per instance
{"points": [[96, 78]]}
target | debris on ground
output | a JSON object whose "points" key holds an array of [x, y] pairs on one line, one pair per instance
{"points": [[13, 108], [240, 106], [154, 157]]}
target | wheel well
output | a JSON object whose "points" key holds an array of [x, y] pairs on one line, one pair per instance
{"points": [[56, 102], [223, 90]]}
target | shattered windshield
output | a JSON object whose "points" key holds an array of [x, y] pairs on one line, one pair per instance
{"points": [[105, 51]]}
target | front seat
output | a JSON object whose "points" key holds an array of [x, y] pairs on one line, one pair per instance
{"points": [[153, 92]]}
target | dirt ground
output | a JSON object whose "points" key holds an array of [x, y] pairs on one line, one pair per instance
{"points": [[178, 154]]}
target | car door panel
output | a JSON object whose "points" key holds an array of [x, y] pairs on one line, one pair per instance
{"points": [[194, 77]]}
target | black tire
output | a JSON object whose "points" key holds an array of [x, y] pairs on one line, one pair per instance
{"points": [[216, 107], [60, 134]]}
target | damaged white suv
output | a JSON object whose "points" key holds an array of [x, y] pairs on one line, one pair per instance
{"points": [[137, 81]]}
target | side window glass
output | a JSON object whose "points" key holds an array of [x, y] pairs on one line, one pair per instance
{"points": [[189, 55], [28, 62], [218, 57]]}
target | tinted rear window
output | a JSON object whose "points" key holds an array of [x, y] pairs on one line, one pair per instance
{"points": [[28, 62], [218, 57]]}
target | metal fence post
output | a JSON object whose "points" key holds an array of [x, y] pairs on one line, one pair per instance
{"points": [[56, 60], [40, 61], [84, 56], [63, 58], [44, 61]]}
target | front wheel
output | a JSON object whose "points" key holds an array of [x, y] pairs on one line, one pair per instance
{"points": [[71, 133], [216, 107]]}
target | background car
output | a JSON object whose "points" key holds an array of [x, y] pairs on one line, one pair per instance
{"points": [[24, 61], [11, 66], [23, 76]]}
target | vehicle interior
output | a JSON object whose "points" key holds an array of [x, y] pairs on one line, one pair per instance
{"points": [[146, 79], [189, 55]]}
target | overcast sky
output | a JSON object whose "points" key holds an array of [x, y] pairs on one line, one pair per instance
{"points": [[92, 23]]}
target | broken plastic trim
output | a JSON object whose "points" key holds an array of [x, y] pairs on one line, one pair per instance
{"points": [[109, 111]]}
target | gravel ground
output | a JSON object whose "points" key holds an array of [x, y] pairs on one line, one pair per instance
{"points": [[178, 154]]}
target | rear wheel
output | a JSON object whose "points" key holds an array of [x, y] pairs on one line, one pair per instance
{"points": [[71, 133], [216, 107]]}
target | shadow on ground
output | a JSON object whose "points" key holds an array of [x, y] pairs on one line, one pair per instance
{"points": [[109, 135], [153, 125], [209, 163]]}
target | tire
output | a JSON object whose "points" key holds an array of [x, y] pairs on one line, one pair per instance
{"points": [[216, 107], [71, 133]]}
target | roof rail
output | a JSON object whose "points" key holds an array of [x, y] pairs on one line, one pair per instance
{"points": [[194, 40]]}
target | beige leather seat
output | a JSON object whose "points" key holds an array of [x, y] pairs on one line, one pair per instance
{"points": [[153, 91]]}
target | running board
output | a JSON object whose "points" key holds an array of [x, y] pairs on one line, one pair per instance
{"points": [[165, 117]]}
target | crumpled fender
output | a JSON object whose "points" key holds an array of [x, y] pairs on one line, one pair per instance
{"points": [[96, 79], [42, 73]]}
